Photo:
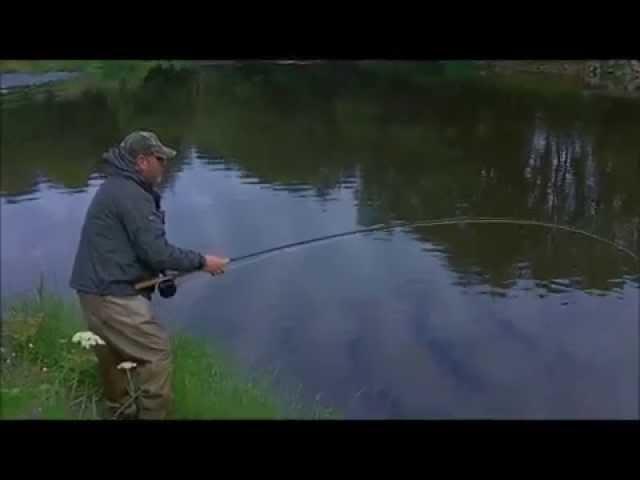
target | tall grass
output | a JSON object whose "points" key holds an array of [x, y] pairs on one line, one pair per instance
{"points": [[46, 376]]}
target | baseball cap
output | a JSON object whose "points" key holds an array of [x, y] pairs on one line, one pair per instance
{"points": [[146, 143]]}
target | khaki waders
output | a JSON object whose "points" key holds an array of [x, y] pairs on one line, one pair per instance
{"points": [[131, 333]]}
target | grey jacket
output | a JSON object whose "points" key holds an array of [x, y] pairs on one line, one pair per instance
{"points": [[123, 238]]}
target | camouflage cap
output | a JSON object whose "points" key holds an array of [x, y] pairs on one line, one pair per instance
{"points": [[146, 143]]}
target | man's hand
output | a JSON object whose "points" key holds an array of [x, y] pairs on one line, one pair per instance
{"points": [[214, 265]]}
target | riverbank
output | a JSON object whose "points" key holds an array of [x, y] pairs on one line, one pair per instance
{"points": [[79, 66], [86, 74], [45, 375]]}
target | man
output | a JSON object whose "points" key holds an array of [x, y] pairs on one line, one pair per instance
{"points": [[122, 243]]}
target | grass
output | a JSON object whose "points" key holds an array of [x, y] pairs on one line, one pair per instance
{"points": [[46, 376], [94, 74], [42, 66], [87, 66]]}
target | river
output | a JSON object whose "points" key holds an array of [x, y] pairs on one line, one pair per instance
{"points": [[458, 321]]}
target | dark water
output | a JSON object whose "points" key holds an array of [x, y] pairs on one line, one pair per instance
{"points": [[463, 321]]}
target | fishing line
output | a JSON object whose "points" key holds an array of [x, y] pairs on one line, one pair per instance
{"points": [[235, 262]]}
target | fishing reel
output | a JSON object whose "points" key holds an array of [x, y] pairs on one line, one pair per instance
{"points": [[167, 288]]}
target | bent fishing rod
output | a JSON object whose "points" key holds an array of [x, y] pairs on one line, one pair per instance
{"points": [[167, 287]]}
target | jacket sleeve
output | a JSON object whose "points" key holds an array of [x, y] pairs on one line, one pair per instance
{"points": [[145, 227]]}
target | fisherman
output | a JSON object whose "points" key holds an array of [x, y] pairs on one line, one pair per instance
{"points": [[123, 242]]}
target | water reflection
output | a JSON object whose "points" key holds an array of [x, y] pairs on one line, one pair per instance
{"points": [[453, 321]]}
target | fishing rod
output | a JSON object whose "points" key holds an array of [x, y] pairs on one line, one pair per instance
{"points": [[167, 287]]}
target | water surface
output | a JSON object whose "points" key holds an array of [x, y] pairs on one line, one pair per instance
{"points": [[463, 321]]}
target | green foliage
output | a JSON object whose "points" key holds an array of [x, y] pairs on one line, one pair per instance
{"points": [[108, 69], [205, 386], [43, 372]]}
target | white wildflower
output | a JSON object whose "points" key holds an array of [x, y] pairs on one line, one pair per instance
{"points": [[44, 369], [87, 339], [31, 345], [127, 365]]}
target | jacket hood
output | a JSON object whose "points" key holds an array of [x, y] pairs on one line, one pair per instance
{"points": [[119, 163]]}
